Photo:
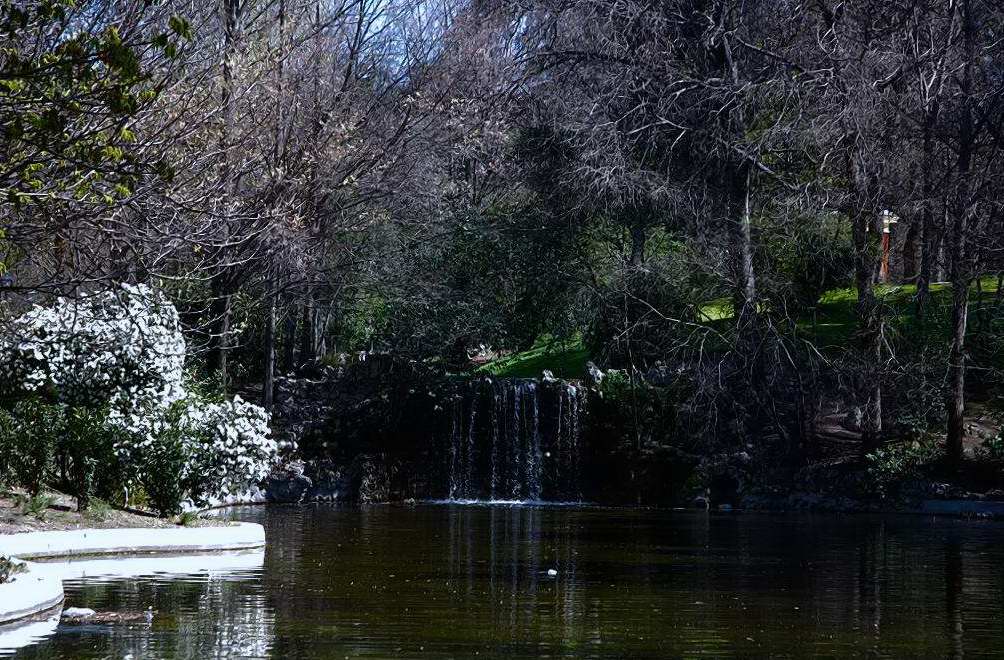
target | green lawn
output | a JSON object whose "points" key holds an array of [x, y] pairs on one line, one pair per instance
{"points": [[831, 325], [836, 320], [565, 359]]}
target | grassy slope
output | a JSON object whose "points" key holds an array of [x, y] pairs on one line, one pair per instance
{"points": [[565, 359], [833, 324], [836, 320]]}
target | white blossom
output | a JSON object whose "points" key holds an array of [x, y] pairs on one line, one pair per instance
{"points": [[123, 351], [122, 348]]}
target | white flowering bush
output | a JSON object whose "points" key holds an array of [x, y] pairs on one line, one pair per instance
{"points": [[237, 450], [112, 365], [200, 450], [121, 348]]}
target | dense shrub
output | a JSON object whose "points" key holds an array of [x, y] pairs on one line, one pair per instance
{"points": [[641, 315], [121, 348], [28, 434], [95, 398], [638, 442], [69, 447], [200, 450], [892, 465]]}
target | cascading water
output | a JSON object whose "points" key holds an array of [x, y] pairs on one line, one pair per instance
{"points": [[569, 464], [515, 440]]}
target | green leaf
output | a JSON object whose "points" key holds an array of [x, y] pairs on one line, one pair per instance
{"points": [[112, 153], [180, 26]]}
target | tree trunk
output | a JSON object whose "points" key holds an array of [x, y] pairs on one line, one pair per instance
{"points": [[637, 244], [866, 234], [219, 340], [957, 370], [308, 340], [289, 341], [745, 296], [268, 379], [928, 248], [222, 282], [956, 403], [910, 250]]}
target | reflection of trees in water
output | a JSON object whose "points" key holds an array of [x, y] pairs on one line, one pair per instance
{"points": [[231, 621], [954, 581], [449, 581], [895, 587], [502, 558], [216, 614]]}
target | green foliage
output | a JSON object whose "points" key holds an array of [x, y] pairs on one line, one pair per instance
{"points": [[895, 463], [36, 506], [57, 84], [161, 466], [99, 509], [363, 320], [72, 448], [29, 434], [638, 430], [807, 257], [9, 569], [188, 519], [87, 448], [500, 277], [991, 449], [180, 26], [639, 316]]}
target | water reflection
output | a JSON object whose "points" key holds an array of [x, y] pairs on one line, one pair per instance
{"points": [[18, 635], [459, 581], [193, 596]]}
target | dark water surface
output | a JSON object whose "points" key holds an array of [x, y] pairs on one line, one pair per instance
{"points": [[473, 581]]}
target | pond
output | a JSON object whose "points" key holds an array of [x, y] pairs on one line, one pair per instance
{"points": [[440, 581]]}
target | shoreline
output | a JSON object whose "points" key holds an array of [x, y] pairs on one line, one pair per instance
{"points": [[37, 590]]}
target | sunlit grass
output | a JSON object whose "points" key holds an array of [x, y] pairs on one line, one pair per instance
{"points": [[564, 358], [832, 323], [834, 320]]}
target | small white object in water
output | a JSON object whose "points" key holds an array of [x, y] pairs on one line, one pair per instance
{"points": [[551, 572], [77, 612]]}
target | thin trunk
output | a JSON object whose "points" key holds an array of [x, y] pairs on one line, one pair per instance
{"points": [[867, 232], [745, 298], [998, 296], [307, 328], [308, 338], [637, 244], [268, 381], [910, 250], [289, 341], [957, 368], [739, 184], [928, 248], [220, 323], [222, 282], [960, 268], [268, 378]]}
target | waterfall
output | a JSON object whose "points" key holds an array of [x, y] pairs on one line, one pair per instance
{"points": [[568, 432], [515, 440]]}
